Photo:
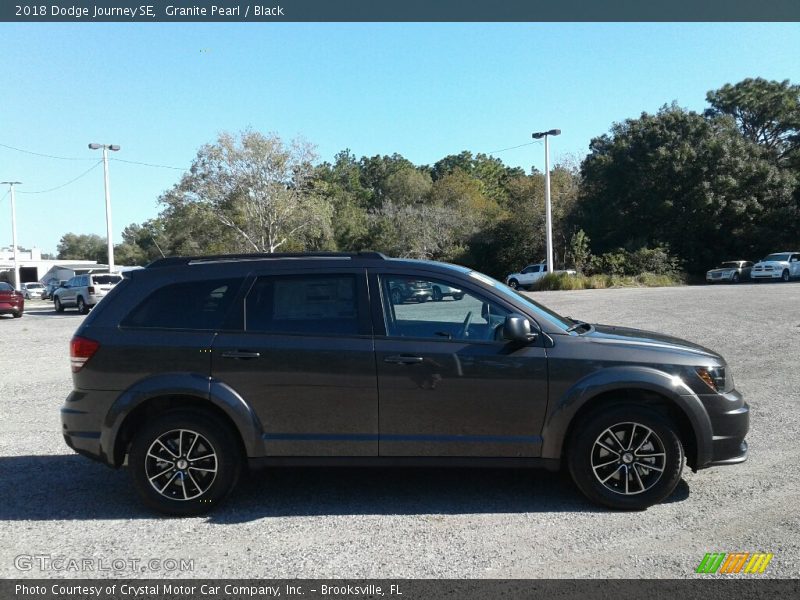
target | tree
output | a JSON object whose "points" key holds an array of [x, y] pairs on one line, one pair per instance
{"points": [[691, 183], [766, 112], [259, 188], [75, 246]]}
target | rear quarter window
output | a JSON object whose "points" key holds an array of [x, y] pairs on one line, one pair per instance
{"points": [[199, 305]]}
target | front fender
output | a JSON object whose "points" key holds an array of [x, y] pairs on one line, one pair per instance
{"points": [[627, 378]]}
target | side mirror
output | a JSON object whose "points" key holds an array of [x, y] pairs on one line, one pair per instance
{"points": [[518, 329]]}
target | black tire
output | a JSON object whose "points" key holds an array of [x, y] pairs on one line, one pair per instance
{"points": [[396, 296], [785, 275], [640, 487], [17, 315], [202, 493], [513, 283], [735, 278], [458, 296], [437, 294], [57, 304], [83, 308]]}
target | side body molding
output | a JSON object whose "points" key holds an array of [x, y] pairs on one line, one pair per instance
{"points": [[189, 385], [628, 378]]}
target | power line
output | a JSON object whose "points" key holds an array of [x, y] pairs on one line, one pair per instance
{"points": [[58, 187], [514, 147], [44, 155], [133, 162]]}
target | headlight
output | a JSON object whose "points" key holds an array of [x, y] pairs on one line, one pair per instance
{"points": [[714, 377]]}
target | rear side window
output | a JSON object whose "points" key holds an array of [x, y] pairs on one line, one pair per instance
{"points": [[5, 287], [303, 304], [198, 305], [106, 279]]}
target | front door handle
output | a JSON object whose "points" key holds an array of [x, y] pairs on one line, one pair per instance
{"points": [[241, 354], [403, 359]]}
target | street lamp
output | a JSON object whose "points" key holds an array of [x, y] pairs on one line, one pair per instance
{"points": [[11, 185], [547, 208], [106, 148]]}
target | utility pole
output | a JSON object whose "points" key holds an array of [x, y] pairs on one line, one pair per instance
{"points": [[11, 185], [547, 206], [110, 239]]}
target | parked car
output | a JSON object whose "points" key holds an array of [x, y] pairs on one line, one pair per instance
{"points": [[780, 265], [84, 291], [192, 367], [530, 275], [51, 287], [32, 290], [441, 291], [12, 302], [732, 271], [410, 291]]}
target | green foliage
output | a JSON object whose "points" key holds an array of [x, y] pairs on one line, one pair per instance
{"points": [[579, 250], [83, 247], [562, 281], [657, 261]]}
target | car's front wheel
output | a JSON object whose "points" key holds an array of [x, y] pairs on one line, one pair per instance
{"points": [[513, 283], [735, 278], [627, 457], [184, 463], [57, 304], [83, 308], [785, 275]]}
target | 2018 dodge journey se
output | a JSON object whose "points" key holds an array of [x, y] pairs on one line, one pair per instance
{"points": [[193, 369]]}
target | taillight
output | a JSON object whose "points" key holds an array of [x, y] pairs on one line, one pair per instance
{"points": [[91, 289], [81, 349]]}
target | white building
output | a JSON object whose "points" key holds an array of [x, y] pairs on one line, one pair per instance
{"points": [[32, 267]]}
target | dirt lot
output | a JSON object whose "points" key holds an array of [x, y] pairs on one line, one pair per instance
{"points": [[418, 523]]}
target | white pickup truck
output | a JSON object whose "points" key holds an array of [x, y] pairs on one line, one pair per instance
{"points": [[530, 275]]}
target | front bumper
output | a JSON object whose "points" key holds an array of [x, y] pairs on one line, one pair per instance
{"points": [[729, 415], [716, 277], [766, 274]]}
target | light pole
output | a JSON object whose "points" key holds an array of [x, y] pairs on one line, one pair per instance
{"points": [[11, 185], [106, 148], [547, 208]]}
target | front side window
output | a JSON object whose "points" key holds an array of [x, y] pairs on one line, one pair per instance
{"points": [[423, 308], [196, 305], [303, 304]]}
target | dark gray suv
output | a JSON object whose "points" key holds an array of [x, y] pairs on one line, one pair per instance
{"points": [[193, 369]]}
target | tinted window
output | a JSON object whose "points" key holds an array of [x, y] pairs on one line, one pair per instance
{"points": [[304, 304], [189, 305], [460, 316], [5, 287]]}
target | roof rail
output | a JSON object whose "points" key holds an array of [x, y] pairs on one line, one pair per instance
{"points": [[172, 261]]}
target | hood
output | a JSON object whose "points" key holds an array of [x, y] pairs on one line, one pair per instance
{"points": [[772, 263], [723, 270], [648, 340]]}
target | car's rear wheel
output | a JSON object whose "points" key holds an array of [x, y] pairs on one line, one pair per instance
{"points": [[513, 283], [83, 308], [458, 296], [437, 294], [397, 297], [184, 463], [17, 314], [627, 457], [57, 304], [735, 278], [785, 275]]}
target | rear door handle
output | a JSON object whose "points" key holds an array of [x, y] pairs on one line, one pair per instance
{"points": [[401, 359], [240, 354]]}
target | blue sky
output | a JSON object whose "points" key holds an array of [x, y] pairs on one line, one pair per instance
{"points": [[423, 90]]}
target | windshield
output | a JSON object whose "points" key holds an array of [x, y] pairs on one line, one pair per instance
{"points": [[729, 265], [536, 308], [106, 279], [780, 256], [33, 286]]}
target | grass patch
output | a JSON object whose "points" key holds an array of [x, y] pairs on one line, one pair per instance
{"points": [[562, 281]]}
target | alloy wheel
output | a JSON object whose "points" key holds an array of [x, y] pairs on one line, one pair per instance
{"points": [[181, 464], [628, 458]]}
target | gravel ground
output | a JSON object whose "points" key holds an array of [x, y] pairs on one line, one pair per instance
{"points": [[317, 523]]}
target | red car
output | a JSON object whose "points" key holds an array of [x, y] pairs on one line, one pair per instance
{"points": [[11, 301]]}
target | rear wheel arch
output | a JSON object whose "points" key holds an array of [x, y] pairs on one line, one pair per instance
{"points": [[158, 406]]}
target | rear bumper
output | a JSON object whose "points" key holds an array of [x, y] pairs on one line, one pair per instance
{"points": [[81, 423], [729, 415]]}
